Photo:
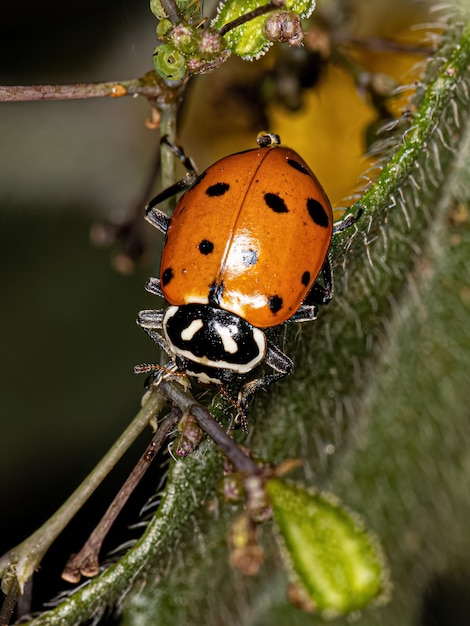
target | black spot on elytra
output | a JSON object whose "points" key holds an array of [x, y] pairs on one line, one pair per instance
{"points": [[215, 292], [206, 247], [249, 257], [276, 203], [305, 278], [275, 303], [317, 213], [218, 189], [298, 166], [167, 276]]}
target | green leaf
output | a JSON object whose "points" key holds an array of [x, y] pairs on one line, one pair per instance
{"points": [[189, 9], [336, 560], [248, 40], [157, 9]]}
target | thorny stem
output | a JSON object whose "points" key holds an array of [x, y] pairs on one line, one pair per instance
{"points": [[86, 561], [267, 8], [26, 557]]}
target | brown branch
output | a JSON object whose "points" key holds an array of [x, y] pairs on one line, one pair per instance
{"points": [[171, 10], [24, 559], [175, 393], [86, 561], [150, 86], [9, 603]]}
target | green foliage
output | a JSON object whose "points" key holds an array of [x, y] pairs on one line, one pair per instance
{"points": [[194, 50], [249, 40], [189, 9], [157, 9], [335, 559]]}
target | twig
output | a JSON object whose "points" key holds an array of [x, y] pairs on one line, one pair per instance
{"points": [[9, 603], [175, 394], [26, 557], [86, 561], [171, 11], [150, 86], [267, 8]]}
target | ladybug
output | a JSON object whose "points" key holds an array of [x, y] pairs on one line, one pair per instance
{"points": [[243, 252]]}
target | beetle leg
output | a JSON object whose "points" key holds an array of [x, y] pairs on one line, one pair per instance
{"points": [[348, 221], [321, 294], [279, 361], [153, 215], [179, 153], [305, 313], [149, 320], [153, 286], [157, 218], [158, 339], [276, 359]]}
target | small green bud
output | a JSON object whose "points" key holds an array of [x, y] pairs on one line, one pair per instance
{"points": [[190, 9], [231, 488], [184, 38], [163, 27], [169, 63], [190, 435], [211, 44], [157, 9]]}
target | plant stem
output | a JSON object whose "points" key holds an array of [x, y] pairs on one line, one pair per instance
{"points": [[168, 116], [86, 562], [267, 8], [171, 11], [175, 394], [9, 603], [149, 86], [26, 556]]}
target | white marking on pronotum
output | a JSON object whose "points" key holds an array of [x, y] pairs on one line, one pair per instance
{"points": [[188, 333], [229, 343], [204, 378], [241, 368]]}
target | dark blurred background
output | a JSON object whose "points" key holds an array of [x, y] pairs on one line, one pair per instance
{"points": [[68, 338]]}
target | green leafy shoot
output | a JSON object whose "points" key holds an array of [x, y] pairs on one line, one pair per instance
{"points": [[337, 563], [249, 40]]}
